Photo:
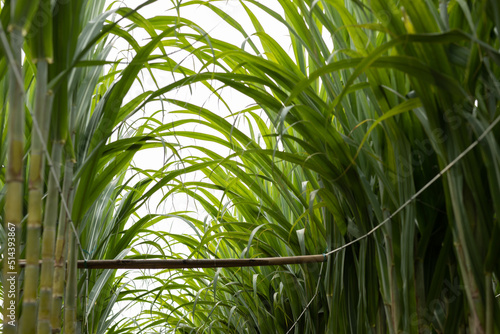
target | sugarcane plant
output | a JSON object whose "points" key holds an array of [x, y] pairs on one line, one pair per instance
{"points": [[65, 191], [384, 146], [14, 169], [373, 141]]}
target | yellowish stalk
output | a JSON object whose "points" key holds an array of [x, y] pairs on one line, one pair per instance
{"points": [[14, 184]]}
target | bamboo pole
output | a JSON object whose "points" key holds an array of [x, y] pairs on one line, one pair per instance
{"points": [[197, 263]]}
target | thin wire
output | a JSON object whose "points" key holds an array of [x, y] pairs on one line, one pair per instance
{"points": [[308, 304], [434, 179], [460, 156]]}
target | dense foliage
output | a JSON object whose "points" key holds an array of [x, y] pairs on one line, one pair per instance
{"points": [[391, 137]]}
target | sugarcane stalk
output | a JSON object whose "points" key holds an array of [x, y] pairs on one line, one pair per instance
{"points": [[14, 184], [48, 242], [28, 319], [61, 251], [41, 55], [71, 289], [53, 271]]}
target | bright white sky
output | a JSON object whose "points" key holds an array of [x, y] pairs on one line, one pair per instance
{"points": [[154, 158]]}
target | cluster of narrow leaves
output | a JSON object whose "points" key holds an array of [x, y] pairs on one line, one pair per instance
{"points": [[349, 136], [65, 152], [340, 138]]}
